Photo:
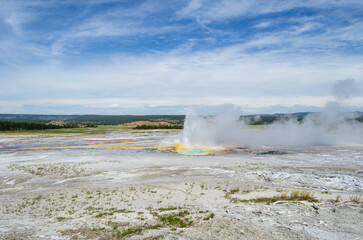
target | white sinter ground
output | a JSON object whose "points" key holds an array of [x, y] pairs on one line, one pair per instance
{"points": [[140, 192]]}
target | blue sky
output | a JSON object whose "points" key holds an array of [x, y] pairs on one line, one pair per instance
{"points": [[162, 57]]}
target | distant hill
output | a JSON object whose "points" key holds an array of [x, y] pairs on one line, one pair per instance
{"points": [[91, 119], [119, 119]]}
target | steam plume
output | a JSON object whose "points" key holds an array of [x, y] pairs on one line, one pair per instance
{"points": [[344, 89], [331, 126]]}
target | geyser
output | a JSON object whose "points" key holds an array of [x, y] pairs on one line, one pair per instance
{"points": [[217, 130], [331, 126]]}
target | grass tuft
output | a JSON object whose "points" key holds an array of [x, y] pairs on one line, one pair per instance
{"points": [[295, 195], [356, 198]]}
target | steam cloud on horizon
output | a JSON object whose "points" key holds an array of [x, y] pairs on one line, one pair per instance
{"points": [[334, 125]]}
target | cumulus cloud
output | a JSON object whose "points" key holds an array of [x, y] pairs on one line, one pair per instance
{"points": [[196, 52]]}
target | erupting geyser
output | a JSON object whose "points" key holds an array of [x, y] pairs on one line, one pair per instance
{"points": [[226, 129], [213, 131]]}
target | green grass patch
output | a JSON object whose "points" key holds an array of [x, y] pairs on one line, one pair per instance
{"points": [[112, 211], [170, 208], [294, 195], [132, 231], [209, 217], [233, 191], [178, 219], [60, 219]]}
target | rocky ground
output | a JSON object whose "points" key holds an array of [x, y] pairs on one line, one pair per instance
{"points": [[120, 186]]}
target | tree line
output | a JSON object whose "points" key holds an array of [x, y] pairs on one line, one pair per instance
{"points": [[175, 126], [20, 126]]}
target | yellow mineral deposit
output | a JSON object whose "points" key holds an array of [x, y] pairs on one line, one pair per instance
{"points": [[195, 150]]}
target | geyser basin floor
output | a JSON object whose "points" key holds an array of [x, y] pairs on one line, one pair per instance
{"points": [[121, 185]]}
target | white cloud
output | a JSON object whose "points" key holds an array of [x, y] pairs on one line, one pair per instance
{"points": [[287, 66], [263, 24], [226, 9], [203, 78], [173, 105]]}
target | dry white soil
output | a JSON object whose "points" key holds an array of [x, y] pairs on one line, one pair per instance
{"points": [[141, 193]]}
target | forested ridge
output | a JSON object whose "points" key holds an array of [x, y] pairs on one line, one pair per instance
{"points": [[19, 126]]}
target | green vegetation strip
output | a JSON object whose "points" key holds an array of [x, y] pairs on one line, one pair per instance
{"points": [[112, 211], [131, 231], [294, 195], [172, 217], [178, 219], [174, 126]]}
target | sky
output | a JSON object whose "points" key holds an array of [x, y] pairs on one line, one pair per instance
{"points": [[165, 57]]}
